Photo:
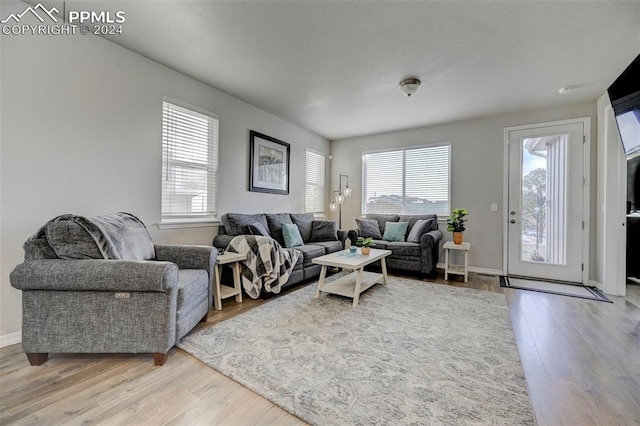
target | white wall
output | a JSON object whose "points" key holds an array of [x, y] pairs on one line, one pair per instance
{"points": [[81, 133], [477, 165]]}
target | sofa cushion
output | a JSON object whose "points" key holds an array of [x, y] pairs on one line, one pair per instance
{"points": [[304, 222], [256, 228], [310, 251], [191, 283], [395, 231], [275, 221], [404, 249], [324, 230], [291, 235], [383, 219], [330, 246], [380, 244], [238, 223], [422, 226], [368, 228]]}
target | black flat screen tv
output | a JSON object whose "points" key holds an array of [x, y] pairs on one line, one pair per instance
{"points": [[624, 94]]}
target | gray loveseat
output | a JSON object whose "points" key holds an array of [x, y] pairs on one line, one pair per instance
{"points": [[419, 255], [100, 285], [313, 233]]}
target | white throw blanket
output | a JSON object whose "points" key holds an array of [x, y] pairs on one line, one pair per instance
{"points": [[268, 264]]}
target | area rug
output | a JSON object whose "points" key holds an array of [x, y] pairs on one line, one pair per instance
{"points": [[410, 353], [579, 291]]}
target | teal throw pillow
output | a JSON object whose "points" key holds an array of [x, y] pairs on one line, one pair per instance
{"points": [[395, 231], [291, 234]]}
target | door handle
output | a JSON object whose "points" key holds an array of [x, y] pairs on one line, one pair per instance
{"points": [[512, 221]]}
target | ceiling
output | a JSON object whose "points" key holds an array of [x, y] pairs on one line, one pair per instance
{"points": [[333, 67]]}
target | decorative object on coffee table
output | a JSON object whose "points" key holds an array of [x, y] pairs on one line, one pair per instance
{"points": [[366, 244], [455, 224], [269, 164]]}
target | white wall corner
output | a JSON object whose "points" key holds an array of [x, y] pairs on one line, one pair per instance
{"points": [[10, 339], [596, 284]]}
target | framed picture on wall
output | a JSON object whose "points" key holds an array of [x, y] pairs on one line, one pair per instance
{"points": [[269, 164]]}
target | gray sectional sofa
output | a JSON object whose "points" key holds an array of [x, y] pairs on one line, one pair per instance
{"points": [[316, 234], [418, 255]]}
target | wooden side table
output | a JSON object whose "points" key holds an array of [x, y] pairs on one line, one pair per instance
{"points": [[222, 291], [456, 269]]}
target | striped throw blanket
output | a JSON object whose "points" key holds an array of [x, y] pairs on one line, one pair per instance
{"points": [[268, 265]]}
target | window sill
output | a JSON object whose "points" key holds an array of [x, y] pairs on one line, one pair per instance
{"points": [[186, 223]]}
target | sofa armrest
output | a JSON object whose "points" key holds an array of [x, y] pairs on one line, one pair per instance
{"points": [[95, 275], [353, 235], [342, 236], [188, 257], [221, 241], [430, 250]]}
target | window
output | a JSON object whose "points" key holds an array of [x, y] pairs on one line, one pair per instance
{"points": [[189, 163], [407, 181], [314, 200]]}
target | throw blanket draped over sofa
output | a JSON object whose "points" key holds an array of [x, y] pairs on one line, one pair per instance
{"points": [[268, 264]]}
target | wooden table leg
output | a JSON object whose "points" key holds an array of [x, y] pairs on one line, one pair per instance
{"points": [[237, 282], [217, 302], [446, 264], [356, 295], [466, 265], [383, 263], [323, 273]]}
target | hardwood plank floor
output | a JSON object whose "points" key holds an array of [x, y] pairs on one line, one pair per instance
{"points": [[581, 359]]}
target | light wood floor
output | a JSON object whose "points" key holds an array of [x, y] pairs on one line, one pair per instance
{"points": [[581, 359]]}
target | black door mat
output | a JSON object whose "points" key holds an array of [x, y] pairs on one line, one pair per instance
{"points": [[570, 290]]}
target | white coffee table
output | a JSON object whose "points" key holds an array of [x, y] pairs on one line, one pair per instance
{"points": [[356, 282]]}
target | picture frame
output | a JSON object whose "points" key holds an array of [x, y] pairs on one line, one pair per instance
{"points": [[269, 164]]}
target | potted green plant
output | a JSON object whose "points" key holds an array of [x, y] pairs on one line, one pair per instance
{"points": [[365, 244], [455, 224]]}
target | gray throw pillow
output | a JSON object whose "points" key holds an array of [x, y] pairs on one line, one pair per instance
{"points": [[421, 227], [395, 231], [369, 228], [304, 222], [324, 230], [256, 228]]}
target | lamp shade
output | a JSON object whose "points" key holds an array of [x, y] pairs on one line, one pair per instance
{"points": [[347, 191], [340, 199]]}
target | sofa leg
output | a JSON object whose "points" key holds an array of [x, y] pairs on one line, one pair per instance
{"points": [[204, 318], [159, 359], [37, 358]]}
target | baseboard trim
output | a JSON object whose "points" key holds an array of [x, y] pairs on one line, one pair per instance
{"points": [[478, 270], [10, 339]]}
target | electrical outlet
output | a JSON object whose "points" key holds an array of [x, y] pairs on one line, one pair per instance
{"points": [[494, 207]]}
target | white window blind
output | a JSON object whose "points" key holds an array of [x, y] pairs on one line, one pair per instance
{"points": [[314, 200], [407, 181], [189, 163]]}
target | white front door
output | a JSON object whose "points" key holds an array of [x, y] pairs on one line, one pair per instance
{"points": [[545, 208]]}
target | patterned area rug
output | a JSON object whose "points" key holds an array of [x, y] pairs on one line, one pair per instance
{"points": [[409, 353]]}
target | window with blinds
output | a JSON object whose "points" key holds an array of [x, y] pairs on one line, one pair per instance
{"points": [[408, 181], [189, 163], [314, 199]]}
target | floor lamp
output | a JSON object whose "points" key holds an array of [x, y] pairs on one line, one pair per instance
{"points": [[338, 200]]}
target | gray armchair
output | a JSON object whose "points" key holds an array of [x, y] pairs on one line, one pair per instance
{"points": [[138, 298]]}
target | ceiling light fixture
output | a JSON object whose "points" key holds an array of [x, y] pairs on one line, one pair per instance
{"points": [[409, 86], [565, 90]]}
